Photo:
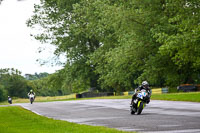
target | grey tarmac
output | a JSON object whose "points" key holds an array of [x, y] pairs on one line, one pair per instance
{"points": [[157, 117]]}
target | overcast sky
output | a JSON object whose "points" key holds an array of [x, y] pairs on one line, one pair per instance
{"points": [[17, 48]]}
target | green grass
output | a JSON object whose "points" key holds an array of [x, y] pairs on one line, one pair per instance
{"points": [[4, 103], [190, 97], [42, 99], [18, 120]]}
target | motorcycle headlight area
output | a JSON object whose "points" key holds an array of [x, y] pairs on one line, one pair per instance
{"points": [[140, 95]]}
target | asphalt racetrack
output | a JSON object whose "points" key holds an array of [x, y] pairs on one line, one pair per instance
{"points": [[157, 117]]}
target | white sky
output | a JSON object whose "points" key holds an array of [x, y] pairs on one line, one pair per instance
{"points": [[17, 48]]}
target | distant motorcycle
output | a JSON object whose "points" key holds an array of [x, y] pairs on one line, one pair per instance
{"points": [[31, 98], [10, 100], [139, 102]]}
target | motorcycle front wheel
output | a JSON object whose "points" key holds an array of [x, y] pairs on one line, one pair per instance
{"points": [[140, 107]]}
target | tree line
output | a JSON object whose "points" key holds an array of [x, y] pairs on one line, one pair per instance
{"points": [[13, 84], [114, 45]]}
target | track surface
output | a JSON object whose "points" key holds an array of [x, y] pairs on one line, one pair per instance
{"points": [[157, 117]]}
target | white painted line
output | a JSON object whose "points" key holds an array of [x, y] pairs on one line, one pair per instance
{"points": [[128, 129]]}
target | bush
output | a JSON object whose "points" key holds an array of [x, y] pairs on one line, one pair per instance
{"points": [[3, 93]]}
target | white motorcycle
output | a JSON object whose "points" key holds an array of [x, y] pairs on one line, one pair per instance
{"points": [[31, 98]]}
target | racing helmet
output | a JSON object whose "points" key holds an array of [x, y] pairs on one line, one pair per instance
{"points": [[145, 84], [31, 90]]}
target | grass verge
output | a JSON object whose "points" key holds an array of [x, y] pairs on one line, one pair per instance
{"points": [[190, 97], [18, 120], [42, 99]]}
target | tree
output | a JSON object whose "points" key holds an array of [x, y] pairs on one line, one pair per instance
{"points": [[13, 82], [3, 93], [117, 44], [177, 31]]}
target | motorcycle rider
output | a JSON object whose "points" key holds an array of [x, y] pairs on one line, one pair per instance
{"points": [[31, 92], [9, 100], [145, 86]]}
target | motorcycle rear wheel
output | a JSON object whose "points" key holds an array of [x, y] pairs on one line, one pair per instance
{"points": [[132, 112], [132, 109], [31, 101]]}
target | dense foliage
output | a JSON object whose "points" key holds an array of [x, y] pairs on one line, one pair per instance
{"points": [[114, 45], [52, 85], [12, 84]]}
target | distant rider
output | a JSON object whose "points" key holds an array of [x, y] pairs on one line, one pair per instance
{"points": [[145, 86], [9, 100], [31, 92]]}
